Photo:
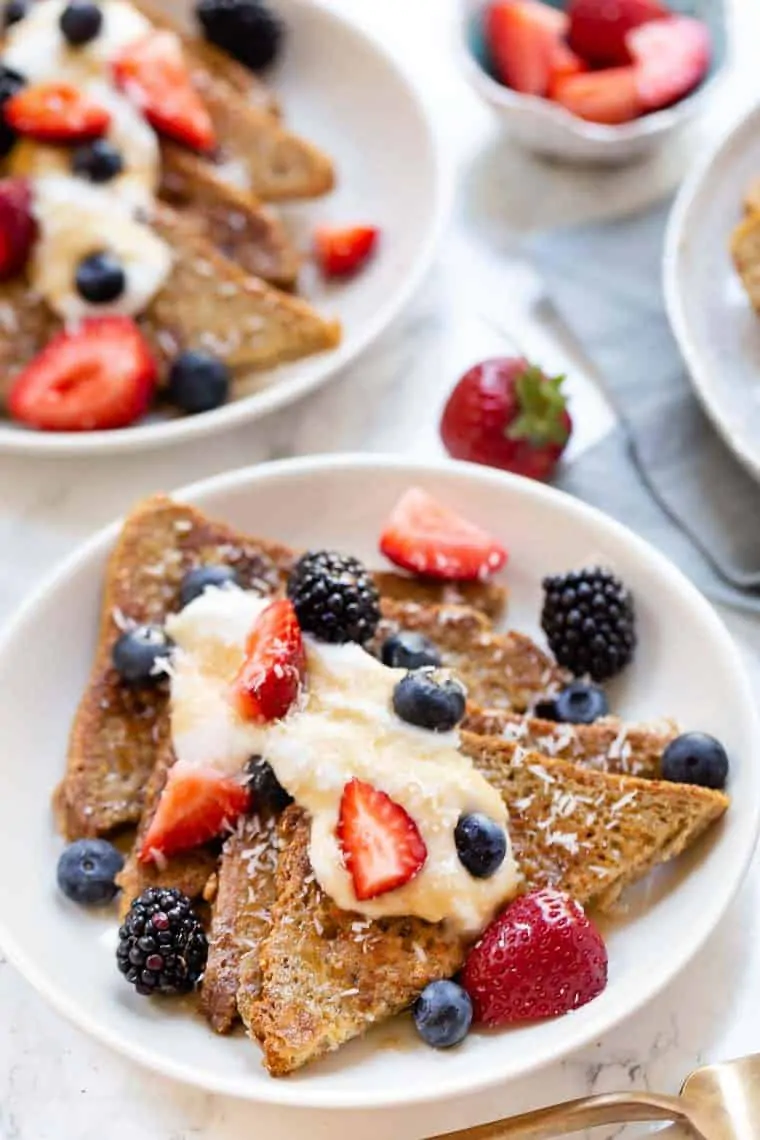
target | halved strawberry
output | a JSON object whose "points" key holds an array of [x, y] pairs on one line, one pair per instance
{"points": [[196, 805], [18, 229], [598, 28], [153, 73], [56, 113], [100, 375], [671, 56], [270, 677], [342, 251], [608, 96], [382, 847], [525, 41], [427, 538]]}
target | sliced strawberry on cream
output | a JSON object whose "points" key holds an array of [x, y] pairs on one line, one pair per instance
{"points": [[196, 805], [381, 845], [56, 113], [270, 678]]}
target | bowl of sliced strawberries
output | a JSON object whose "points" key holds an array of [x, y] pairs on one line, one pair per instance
{"points": [[594, 80]]}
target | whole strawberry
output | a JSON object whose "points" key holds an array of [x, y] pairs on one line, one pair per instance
{"points": [[540, 958], [508, 413]]}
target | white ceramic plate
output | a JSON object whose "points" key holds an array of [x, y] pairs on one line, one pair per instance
{"points": [[716, 327], [344, 92], [687, 667]]}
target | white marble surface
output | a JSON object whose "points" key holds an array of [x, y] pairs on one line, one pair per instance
{"points": [[56, 1083]]}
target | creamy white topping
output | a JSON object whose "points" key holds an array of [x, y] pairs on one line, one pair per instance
{"points": [[342, 728]]}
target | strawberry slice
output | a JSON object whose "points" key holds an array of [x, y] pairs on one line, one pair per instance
{"points": [[56, 113], [525, 42], [427, 538], [610, 96], [196, 805], [99, 376], [275, 664], [672, 56], [343, 251], [152, 72], [18, 229], [382, 847], [598, 28]]}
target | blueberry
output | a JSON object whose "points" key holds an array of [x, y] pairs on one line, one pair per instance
{"points": [[267, 791], [443, 1014], [198, 382], [579, 703], [137, 654], [15, 10], [481, 844], [196, 581], [81, 22], [98, 161], [695, 758], [10, 83], [100, 278], [430, 699], [87, 869], [409, 650]]}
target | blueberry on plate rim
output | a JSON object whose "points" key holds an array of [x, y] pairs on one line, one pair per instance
{"points": [[87, 871], [430, 698], [407, 649], [443, 1014], [334, 596], [481, 844], [200, 578], [162, 945], [695, 758], [140, 653], [198, 382]]}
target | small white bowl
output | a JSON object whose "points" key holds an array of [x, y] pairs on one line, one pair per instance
{"points": [[549, 129]]}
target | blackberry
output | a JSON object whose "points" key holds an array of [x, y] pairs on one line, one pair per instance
{"points": [[266, 790], [334, 597], [589, 621], [162, 945], [246, 29]]}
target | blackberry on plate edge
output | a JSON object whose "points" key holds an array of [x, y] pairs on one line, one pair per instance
{"points": [[266, 790], [162, 945], [334, 597], [588, 619], [247, 30]]}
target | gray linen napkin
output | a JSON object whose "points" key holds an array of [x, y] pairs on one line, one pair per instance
{"points": [[665, 472]]}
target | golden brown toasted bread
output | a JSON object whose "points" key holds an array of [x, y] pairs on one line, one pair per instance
{"points": [[745, 251], [488, 598], [752, 197]]}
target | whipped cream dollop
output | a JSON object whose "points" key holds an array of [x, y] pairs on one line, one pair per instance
{"points": [[343, 727]]}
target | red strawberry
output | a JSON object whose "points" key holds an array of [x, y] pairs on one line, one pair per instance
{"points": [[270, 677], [196, 805], [100, 375], [153, 74], [18, 229], [507, 413], [598, 28], [609, 96], [671, 57], [425, 537], [564, 63], [341, 252], [524, 39], [382, 847], [540, 958], [56, 113]]}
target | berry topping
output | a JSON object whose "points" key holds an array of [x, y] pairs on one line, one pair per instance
{"points": [[10, 83], [588, 619], [100, 278], [139, 655], [341, 252], [152, 73], [481, 844], [198, 382], [525, 40], [270, 678], [56, 113], [442, 1014], [672, 56], [97, 161], [18, 229], [81, 22], [87, 870], [430, 698], [98, 375], [540, 958], [598, 28], [381, 845], [162, 944], [196, 805], [610, 96], [266, 790], [200, 578], [695, 758], [579, 703], [409, 650], [334, 596], [425, 537], [14, 12], [246, 29], [507, 413]]}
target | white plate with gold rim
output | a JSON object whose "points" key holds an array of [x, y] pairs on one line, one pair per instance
{"points": [[686, 667]]}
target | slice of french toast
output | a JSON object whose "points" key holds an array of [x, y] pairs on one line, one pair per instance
{"points": [[745, 251]]}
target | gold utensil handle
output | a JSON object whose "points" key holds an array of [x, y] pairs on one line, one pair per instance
{"points": [[575, 1115]]}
